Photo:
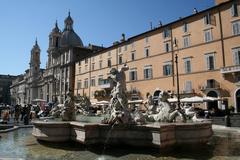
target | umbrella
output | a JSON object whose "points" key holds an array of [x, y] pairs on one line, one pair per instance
{"points": [[172, 100], [38, 100], [210, 99], [194, 99], [135, 101]]}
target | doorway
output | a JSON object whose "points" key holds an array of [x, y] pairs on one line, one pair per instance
{"points": [[213, 104], [237, 98]]}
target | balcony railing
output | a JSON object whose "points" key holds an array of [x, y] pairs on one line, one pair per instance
{"points": [[230, 69], [215, 85]]}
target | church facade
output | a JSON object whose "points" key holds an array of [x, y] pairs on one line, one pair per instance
{"points": [[53, 83]]}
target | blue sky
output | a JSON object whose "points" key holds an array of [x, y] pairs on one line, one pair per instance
{"points": [[99, 22]]}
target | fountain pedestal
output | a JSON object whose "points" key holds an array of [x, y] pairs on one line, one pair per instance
{"points": [[150, 135]]}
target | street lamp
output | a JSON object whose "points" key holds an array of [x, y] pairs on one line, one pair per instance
{"points": [[178, 95]]}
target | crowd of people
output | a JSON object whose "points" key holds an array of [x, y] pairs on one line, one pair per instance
{"points": [[18, 113]]}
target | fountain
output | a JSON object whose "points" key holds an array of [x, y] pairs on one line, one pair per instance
{"points": [[168, 124]]}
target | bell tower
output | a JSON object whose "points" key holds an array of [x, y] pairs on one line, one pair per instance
{"points": [[35, 61], [54, 42]]}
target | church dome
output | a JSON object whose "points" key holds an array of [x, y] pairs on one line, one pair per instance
{"points": [[69, 38]]}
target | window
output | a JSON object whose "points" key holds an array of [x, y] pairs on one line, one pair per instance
{"points": [[133, 74], [187, 65], [166, 33], [100, 79], [146, 40], [63, 59], [132, 45], [188, 87], [109, 62], [67, 56], [234, 9], [79, 63], [133, 56], [236, 56], [146, 52], [236, 28], [86, 60], [93, 66], [148, 72], [79, 84], [125, 47], [93, 81], [167, 68], [208, 35], [211, 83], [86, 68], [207, 19], [100, 64], [66, 73], [79, 70], [93, 59], [109, 54], [86, 83], [185, 27], [210, 61], [119, 49], [120, 60], [186, 41], [167, 47]]}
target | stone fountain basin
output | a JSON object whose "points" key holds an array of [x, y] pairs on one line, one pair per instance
{"points": [[159, 135]]}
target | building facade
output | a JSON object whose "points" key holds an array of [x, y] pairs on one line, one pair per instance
{"points": [[5, 83], [208, 47], [52, 84]]}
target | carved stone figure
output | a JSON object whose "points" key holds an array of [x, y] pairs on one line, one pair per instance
{"points": [[118, 104], [165, 111], [55, 111], [149, 104], [83, 105], [68, 113]]}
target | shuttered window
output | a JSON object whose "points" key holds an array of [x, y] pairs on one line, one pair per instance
{"points": [[236, 56], [236, 28], [148, 72], [234, 9], [210, 61], [133, 74]]}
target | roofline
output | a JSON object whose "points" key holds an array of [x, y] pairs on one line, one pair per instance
{"points": [[158, 28]]}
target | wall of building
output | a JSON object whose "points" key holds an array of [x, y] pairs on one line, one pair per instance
{"points": [[220, 47]]}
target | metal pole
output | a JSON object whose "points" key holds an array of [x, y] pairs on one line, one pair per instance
{"points": [[178, 96]]}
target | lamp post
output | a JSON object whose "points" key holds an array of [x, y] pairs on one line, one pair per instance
{"points": [[178, 96]]}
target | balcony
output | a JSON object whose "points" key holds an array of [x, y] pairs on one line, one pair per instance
{"points": [[230, 69], [211, 84]]}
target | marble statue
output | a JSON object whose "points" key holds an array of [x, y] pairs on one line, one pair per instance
{"points": [[119, 111], [55, 111], [164, 112], [83, 105], [68, 113]]}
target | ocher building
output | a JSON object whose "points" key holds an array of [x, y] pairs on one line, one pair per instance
{"points": [[208, 47]]}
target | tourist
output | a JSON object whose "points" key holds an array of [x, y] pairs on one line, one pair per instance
{"points": [[6, 117], [26, 114], [17, 113]]}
